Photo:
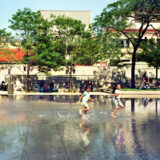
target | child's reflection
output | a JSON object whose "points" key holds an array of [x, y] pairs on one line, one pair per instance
{"points": [[118, 134], [84, 134], [145, 101]]}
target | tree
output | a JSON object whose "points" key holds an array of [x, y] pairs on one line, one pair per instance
{"points": [[69, 43], [7, 55], [88, 51], [151, 54], [47, 53], [6, 39], [120, 17], [48, 43], [25, 23]]}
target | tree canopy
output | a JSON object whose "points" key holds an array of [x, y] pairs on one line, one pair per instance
{"points": [[48, 43], [25, 23], [151, 53], [71, 43], [120, 18], [6, 39]]}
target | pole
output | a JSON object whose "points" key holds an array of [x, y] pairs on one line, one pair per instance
{"points": [[70, 78], [27, 77]]}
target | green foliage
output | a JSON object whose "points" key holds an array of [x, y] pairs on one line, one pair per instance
{"points": [[6, 39], [48, 73], [35, 39], [116, 62], [118, 19], [47, 49], [48, 43], [151, 53], [88, 51], [72, 39], [121, 15], [24, 23]]}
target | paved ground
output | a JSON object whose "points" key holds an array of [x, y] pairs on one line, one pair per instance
{"points": [[125, 94], [38, 129], [53, 93]]}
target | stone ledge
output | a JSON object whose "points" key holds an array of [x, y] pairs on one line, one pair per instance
{"points": [[125, 94], [140, 92]]}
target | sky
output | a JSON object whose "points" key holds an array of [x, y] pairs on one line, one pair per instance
{"points": [[10, 7]]}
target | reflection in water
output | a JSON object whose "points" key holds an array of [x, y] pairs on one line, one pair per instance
{"points": [[138, 146], [84, 134], [146, 101], [132, 105], [118, 135], [156, 101], [48, 97], [57, 132]]}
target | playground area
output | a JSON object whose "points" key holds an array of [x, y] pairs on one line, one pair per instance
{"points": [[49, 127]]}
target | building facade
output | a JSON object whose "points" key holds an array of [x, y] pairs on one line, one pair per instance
{"points": [[83, 16]]}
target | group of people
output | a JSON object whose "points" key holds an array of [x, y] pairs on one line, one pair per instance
{"points": [[85, 98], [145, 83], [43, 88], [3, 86], [84, 85]]}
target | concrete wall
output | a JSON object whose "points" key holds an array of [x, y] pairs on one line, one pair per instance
{"points": [[101, 76]]}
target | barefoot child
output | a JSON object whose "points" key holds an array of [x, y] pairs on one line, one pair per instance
{"points": [[85, 98], [116, 100]]}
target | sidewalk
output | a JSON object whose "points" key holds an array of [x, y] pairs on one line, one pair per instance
{"points": [[125, 94], [48, 93], [140, 92]]}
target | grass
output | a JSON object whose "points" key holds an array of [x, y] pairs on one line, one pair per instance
{"points": [[136, 89]]}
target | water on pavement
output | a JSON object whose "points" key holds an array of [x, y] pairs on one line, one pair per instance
{"points": [[50, 128]]}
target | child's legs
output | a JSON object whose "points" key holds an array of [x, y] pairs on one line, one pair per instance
{"points": [[115, 110], [117, 105], [121, 107], [120, 104], [86, 108]]}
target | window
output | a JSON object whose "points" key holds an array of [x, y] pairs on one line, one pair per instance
{"points": [[127, 43]]}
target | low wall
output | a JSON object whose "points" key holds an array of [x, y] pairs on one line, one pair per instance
{"points": [[102, 77]]}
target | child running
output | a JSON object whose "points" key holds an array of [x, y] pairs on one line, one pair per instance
{"points": [[85, 98], [116, 100]]}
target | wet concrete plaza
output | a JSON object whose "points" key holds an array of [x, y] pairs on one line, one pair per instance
{"points": [[50, 128]]}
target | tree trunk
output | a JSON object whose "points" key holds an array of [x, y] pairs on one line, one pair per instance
{"points": [[133, 68], [70, 78], [27, 78]]}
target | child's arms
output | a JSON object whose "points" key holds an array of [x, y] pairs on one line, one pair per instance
{"points": [[80, 98], [117, 94], [91, 99]]}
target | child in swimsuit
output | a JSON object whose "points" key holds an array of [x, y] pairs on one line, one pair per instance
{"points": [[116, 100], [85, 98]]}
